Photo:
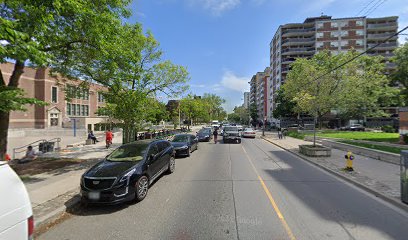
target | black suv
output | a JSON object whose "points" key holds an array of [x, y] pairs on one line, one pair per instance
{"points": [[127, 172], [231, 134]]}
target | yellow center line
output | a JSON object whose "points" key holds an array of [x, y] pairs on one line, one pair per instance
{"points": [[271, 199]]}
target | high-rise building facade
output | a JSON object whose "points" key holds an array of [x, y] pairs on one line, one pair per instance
{"points": [[259, 92], [303, 40], [246, 100]]}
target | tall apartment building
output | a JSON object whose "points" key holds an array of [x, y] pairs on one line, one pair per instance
{"points": [[59, 113], [259, 93], [246, 100], [303, 40]]}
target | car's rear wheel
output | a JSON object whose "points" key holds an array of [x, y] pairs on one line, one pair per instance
{"points": [[142, 187], [189, 152], [172, 165]]}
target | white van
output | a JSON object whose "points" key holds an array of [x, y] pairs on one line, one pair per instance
{"points": [[16, 215]]}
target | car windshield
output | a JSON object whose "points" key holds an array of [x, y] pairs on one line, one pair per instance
{"points": [[230, 129], [132, 152], [248, 130], [203, 132], [180, 138]]}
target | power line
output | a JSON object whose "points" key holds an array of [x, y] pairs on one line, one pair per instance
{"points": [[379, 4], [371, 7], [359, 55], [365, 7]]}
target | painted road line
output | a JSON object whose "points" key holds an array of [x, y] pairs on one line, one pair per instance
{"points": [[271, 199]]}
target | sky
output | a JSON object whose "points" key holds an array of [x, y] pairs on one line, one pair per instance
{"points": [[223, 43]]}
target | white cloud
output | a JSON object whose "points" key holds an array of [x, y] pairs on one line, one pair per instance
{"points": [[217, 7], [235, 83]]}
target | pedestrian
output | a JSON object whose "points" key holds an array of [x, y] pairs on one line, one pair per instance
{"points": [[279, 132], [29, 156], [284, 132], [108, 138], [215, 133], [92, 137]]}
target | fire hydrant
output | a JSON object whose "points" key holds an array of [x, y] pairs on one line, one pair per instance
{"points": [[349, 161]]}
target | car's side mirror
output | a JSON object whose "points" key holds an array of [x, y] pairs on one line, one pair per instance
{"points": [[151, 157]]}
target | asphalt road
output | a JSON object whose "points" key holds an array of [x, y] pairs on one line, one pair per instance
{"points": [[252, 190]]}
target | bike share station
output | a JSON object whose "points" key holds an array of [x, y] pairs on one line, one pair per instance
{"points": [[403, 131]]}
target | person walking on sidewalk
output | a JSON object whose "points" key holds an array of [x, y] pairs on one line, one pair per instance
{"points": [[215, 133], [279, 132]]}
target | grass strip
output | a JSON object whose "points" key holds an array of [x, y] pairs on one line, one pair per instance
{"points": [[396, 150]]}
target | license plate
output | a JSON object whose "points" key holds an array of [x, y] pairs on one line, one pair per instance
{"points": [[94, 195]]}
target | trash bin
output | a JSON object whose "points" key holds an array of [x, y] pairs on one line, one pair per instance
{"points": [[50, 146], [404, 176], [42, 147]]}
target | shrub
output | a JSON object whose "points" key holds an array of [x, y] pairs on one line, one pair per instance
{"points": [[296, 135], [388, 129]]}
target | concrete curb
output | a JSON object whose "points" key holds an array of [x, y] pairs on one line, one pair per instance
{"points": [[44, 222], [350, 180]]}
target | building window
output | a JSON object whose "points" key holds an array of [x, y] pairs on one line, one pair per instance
{"points": [[344, 43], [78, 110], [85, 94], [359, 42], [100, 97], [334, 34], [334, 24], [54, 94], [334, 44], [319, 35], [359, 23], [86, 110], [319, 44], [344, 33], [319, 25], [73, 109], [343, 24], [68, 109], [359, 32]]}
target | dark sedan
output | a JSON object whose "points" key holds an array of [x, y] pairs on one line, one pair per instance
{"points": [[127, 172], [204, 135], [184, 144]]}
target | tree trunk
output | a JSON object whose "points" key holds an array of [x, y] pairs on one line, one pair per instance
{"points": [[5, 116], [4, 125], [314, 132]]}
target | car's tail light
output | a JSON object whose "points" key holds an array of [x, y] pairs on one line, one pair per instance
{"points": [[30, 223]]}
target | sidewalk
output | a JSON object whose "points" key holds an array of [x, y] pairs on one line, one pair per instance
{"points": [[52, 192], [380, 178]]}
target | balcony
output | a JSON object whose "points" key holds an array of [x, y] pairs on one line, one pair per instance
{"points": [[288, 60], [381, 36], [298, 41], [289, 51], [383, 46], [382, 26], [298, 32]]}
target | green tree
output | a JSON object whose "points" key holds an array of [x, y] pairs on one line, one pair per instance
{"points": [[40, 32], [400, 75], [234, 117], [214, 106], [285, 107], [317, 89], [253, 112]]}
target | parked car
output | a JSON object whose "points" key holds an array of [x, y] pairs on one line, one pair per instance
{"points": [[231, 134], [127, 172], [204, 135], [353, 127], [184, 144], [240, 128], [248, 132], [16, 215]]}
